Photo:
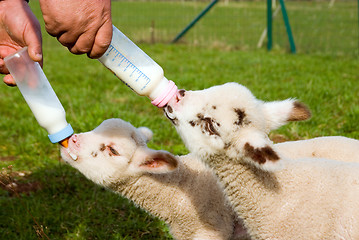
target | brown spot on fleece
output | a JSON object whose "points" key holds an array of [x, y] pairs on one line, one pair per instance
{"points": [[102, 147], [260, 155], [241, 115]]}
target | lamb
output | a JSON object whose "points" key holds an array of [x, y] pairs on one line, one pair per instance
{"points": [[331, 147], [85, 142], [182, 191], [276, 196]]}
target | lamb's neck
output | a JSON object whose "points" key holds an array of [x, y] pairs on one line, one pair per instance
{"points": [[249, 189], [155, 192]]}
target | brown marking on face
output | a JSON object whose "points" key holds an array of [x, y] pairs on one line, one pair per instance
{"points": [[241, 117], [102, 147], [214, 107], [260, 155], [300, 112], [207, 124], [113, 151], [94, 154]]}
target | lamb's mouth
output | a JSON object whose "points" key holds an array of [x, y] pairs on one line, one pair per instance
{"points": [[73, 156], [168, 108], [169, 114]]}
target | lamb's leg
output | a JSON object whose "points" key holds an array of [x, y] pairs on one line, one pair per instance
{"points": [[335, 147]]}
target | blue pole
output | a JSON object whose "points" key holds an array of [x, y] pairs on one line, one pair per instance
{"points": [[194, 21]]}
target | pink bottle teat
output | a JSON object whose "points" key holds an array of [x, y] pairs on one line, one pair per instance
{"points": [[166, 95]]}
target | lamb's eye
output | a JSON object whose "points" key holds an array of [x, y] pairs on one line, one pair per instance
{"points": [[210, 128], [113, 151], [209, 125]]}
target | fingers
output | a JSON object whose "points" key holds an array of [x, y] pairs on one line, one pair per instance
{"points": [[84, 43], [102, 40], [3, 68], [94, 44], [8, 80], [34, 44], [33, 38]]}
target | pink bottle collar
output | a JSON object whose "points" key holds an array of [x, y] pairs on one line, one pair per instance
{"points": [[166, 95]]}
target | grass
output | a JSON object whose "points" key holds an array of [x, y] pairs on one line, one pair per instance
{"points": [[58, 202]]}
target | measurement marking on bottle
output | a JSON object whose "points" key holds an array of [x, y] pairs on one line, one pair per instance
{"points": [[120, 63], [132, 72]]}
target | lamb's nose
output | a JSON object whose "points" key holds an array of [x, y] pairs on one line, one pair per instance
{"points": [[74, 138]]}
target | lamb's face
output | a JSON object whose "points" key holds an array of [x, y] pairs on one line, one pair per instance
{"points": [[208, 120], [113, 151], [228, 119]]}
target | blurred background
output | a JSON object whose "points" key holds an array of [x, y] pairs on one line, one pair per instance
{"points": [[43, 198], [318, 26]]}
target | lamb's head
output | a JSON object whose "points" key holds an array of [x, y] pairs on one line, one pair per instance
{"points": [[116, 151], [229, 120]]}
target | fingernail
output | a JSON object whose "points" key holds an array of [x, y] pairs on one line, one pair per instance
{"points": [[38, 56]]}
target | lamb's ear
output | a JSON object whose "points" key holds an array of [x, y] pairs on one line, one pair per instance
{"points": [[278, 113], [146, 132], [153, 161], [257, 149]]}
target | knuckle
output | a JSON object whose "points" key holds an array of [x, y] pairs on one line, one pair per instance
{"points": [[80, 49]]}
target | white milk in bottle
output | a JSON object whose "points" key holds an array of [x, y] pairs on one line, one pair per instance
{"points": [[39, 95], [137, 70]]}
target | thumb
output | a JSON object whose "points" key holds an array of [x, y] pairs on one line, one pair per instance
{"points": [[35, 51], [33, 40]]}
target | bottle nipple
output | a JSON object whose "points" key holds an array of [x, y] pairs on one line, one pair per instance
{"points": [[65, 142], [166, 95]]}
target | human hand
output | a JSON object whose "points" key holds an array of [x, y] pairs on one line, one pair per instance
{"points": [[18, 28], [81, 26]]}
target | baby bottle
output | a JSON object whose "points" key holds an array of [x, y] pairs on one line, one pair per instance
{"points": [[39, 95], [137, 70]]}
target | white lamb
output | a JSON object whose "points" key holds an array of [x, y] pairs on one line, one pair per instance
{"points": [[277, 197], [182, 191], [333, 147]]}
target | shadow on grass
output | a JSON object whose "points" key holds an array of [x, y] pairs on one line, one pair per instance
{"points": [[59, 203]]}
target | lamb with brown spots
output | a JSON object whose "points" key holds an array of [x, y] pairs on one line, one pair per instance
{"points": [[277, 196], [180, 190]]}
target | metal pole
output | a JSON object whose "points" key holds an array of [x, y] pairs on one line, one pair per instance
{"points": [[269, 24], [194, 21], [264, 33], [287, 26]]}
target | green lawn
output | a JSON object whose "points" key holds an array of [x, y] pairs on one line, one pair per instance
{"points": [[59, 202]]}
